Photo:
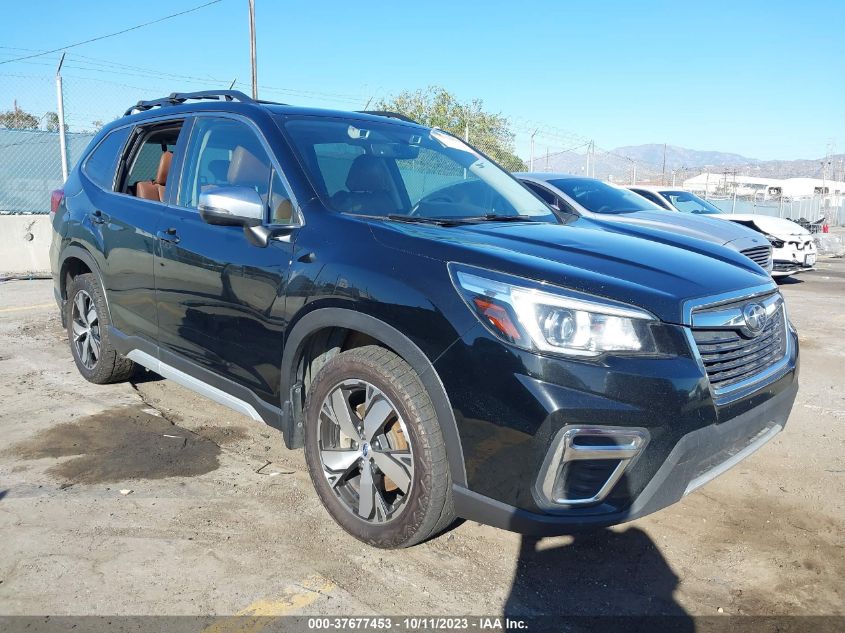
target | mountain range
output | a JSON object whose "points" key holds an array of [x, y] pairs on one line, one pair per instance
{"points": [[618, 164]]}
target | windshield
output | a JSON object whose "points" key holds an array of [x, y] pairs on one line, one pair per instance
{"points": [[393, 169], [690, 203], [600, 197]]}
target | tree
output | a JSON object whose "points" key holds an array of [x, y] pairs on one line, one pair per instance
{"points": [[436, 107], [51, 122], [17, 119]]}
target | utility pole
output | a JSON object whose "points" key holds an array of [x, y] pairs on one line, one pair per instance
{"points": [[663, 175], [533, 134], [733, 205], [589, 158], [707, 184], [547, 158], [252, 56], [60, 107]]}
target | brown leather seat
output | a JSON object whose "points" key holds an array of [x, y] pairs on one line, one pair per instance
{"points": [[369, 186], [247, 170], [154, 190]]}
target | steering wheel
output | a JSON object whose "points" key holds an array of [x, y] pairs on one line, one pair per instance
{"points": [[442, 197]]}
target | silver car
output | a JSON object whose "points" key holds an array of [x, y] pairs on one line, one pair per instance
{"points": [[609, 206]]}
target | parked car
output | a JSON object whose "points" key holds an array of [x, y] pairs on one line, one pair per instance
{"points": [[439, 341], [793, 247], [615, 208]]}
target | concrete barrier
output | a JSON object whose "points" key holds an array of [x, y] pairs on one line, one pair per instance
{"points": [[24, 244]]}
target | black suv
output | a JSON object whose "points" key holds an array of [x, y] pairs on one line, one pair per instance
{"points": [[441, 342]]}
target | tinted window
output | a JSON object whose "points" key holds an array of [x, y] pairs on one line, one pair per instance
{"points": [[227, 153], [382, 168], [600, 197], [102, 162], [546, 195], [651, 196]]}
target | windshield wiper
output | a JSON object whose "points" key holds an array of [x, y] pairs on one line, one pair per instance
{"points": [[495, 217], [419, 219]]}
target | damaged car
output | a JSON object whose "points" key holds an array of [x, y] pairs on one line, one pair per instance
{"points": [[793, 248]]}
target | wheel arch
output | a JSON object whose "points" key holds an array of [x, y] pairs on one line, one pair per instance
{"points": [[74, 261], [326, 331]]}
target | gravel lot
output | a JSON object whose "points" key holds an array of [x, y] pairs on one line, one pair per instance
{"points": [[143, 498]]}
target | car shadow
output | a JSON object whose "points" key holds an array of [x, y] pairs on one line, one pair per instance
{"points": [[596, 578], [142, 375], [788, 281]]}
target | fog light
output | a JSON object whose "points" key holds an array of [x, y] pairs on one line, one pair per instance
{"points": [[585, 463]]}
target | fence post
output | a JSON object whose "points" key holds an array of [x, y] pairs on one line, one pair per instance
{"points": [[61, 115]]}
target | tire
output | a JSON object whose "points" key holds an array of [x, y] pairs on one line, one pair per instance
{"points": [[416, 503], [95, 357]]}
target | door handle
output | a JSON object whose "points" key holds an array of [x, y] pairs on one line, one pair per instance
{"points": [[98, 217], [168, 235]]}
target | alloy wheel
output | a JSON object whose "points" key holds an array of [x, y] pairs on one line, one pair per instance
{"points": [[86, 329], [365, 451]]}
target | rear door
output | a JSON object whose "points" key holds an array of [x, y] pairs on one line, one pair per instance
{"points": [[220, 298], [127, 224]]}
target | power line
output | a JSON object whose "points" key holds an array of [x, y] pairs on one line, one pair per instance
{"points": [[102, 37]]}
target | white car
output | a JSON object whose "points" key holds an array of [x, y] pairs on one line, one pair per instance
{"points": [[793, 248]]}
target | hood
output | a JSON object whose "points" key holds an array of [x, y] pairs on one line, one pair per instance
{"points": [[653, 275], [776, 227], [676, 223]]}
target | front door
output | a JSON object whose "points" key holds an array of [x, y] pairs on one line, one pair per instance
{"points": [[220, 298]]}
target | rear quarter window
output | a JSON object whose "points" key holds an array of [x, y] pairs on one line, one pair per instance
{"points": [[101, 163]]}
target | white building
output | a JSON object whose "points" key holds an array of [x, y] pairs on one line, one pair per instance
{"points": [[714, 184]]}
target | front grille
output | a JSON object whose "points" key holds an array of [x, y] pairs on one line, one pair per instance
{"points": [[730, 356], [760, 255]]}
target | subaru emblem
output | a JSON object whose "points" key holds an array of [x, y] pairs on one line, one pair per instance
{"points": [[755, 318]]}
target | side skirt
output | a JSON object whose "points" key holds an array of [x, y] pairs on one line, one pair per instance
{"points": [[196, 378]]}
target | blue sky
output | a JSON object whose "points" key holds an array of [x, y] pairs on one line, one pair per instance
{"points": [[763, 79]]}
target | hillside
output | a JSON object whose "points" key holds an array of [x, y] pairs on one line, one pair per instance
{"points": [[617, 164]]}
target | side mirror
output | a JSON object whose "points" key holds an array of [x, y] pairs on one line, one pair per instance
{"points": [[232, 206]]}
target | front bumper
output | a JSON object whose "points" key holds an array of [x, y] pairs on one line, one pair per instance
{"points": [[794, 257], [691, 438]]}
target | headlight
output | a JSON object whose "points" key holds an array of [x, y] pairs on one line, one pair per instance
{"points": [[775, 242], [541, 317]]}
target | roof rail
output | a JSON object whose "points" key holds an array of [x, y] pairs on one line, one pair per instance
{"points": [[388, 113], [177, 98]]}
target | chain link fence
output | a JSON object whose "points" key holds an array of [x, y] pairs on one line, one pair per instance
{"points": [[30, 154]]}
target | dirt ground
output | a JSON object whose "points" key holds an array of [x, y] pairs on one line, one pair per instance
{"points": [[143, 498]]}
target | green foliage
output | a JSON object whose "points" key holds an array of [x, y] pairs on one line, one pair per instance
{"points": [[51, 122], [17, 119], [436, 107]]}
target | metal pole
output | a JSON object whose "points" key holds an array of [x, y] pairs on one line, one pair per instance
{"points": [[60, 107], [252, 49], [733, 206], [532, 150]]}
